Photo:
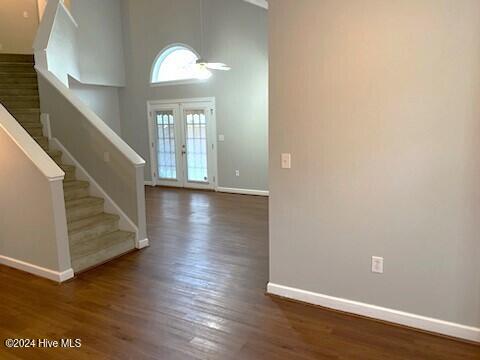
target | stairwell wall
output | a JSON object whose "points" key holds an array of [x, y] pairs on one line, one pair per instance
{"points": [[33, 233]]}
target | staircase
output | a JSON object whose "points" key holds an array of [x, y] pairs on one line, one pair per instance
{"points": [[94, 235]]}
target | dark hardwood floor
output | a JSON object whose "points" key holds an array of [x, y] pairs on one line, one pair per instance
{"points": [[196, 293]]}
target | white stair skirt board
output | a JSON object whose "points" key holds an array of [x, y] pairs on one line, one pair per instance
{"points": [[37, 270], [111, 207], [376, 312], [46, 127], [243, 191], [140, 244]]}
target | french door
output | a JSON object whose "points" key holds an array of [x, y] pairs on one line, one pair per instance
{"points": [[183, 148]]}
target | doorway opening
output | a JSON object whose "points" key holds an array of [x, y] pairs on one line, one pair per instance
{"points": [[183, 145]]}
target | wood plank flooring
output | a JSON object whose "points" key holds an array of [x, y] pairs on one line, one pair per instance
{"points": [[196, 293]]}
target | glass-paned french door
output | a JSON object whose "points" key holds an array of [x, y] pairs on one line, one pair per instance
{"points": [[183, 144]]}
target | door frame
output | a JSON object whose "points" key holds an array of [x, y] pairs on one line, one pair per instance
{"points": [[152, 137]]}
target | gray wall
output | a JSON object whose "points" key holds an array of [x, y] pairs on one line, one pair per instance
{"points": [[236, 33], [378, 102], [100, 57], [100, 41], [103, 100], [16, 32], [27, 222]]}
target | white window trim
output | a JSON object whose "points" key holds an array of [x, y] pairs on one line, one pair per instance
{"points": [[177, 82], [156, 68]]}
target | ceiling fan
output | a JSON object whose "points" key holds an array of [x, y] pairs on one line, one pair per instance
{"points": [[202, 66]]}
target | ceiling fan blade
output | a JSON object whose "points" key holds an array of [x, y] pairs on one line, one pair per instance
{"points": [[218, 66]]}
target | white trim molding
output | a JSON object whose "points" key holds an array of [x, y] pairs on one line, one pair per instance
{"points": [[140, 244], [243, 191], [261, 3], [149, 183], [376, 312], [37, 270]]}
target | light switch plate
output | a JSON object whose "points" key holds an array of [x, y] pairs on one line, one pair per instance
{"points": [[377, 264], [221, 137], [106, 156], [286, 161], [25, 14]]}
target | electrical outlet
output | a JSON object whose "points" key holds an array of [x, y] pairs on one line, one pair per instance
{"points": [[377, 264], [221, 137], [237, 172], [25, 14], [106, 157]]}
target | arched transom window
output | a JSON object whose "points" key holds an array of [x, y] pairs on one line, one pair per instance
{"points": [[175, 64]]}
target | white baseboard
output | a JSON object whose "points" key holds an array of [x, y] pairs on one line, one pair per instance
{"points": [[37, 270], [148, 183], [243, 191], [376, 312], [142, 244]]}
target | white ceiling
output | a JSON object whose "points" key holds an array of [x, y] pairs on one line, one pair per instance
{"points": [[261, 3]]}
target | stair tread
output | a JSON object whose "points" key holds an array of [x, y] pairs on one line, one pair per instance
{"points": [[120, 241], [23, 111], [24, 63], [89, 200], [33, 125], [67, 167], [6, 57], [19, 97], [54, 153], [77, 226], [75, 184], [19, 86]]}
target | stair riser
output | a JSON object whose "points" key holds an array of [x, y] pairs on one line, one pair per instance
{"points": [[18, 92], [15, 74], [15, 69], [35, 131], [16, 98], [69, 175], [101, 256], [27, 118], [26, 86], [21, 104], [16, 58], [83, 212], [57, 159], [43, 142], [77, 193], [17, 80], [93, 231]]}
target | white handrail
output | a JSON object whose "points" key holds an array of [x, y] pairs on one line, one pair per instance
{"points": [[29, 146], [93, 118]]}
